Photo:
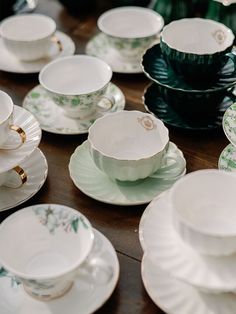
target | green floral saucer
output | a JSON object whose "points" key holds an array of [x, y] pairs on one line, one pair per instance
{"points": [[99, 47], [155, 104], [96, 184], [156, 69], [51, 117], [229, 123], [227, 160]]}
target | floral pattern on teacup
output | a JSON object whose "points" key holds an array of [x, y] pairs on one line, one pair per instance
{"points": [[219, 36], [147, 123], [5, 274], [55, 217]]}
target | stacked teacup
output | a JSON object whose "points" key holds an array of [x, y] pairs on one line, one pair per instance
{"points": [[193, 67]]}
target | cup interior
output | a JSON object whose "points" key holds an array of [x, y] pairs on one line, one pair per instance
{"points": [[6, 107], [84, 74], [27, 27], [205, 201], [44, 241], [130, 22], [133, 135], [197, 36]]}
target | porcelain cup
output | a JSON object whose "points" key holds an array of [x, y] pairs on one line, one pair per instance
{"points": [[29, 36], [47, 246], [77, 84], [197, 48], [203, 211], [135, 147], [13, 178], [7, 129], [130, 30]]}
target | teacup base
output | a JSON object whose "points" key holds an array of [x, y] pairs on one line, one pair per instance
{"points": [[49, 297], [79, 116]]}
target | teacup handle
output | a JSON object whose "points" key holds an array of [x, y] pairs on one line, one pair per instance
{"points": [[57, 41], [106, 102], [22, 135], [12, 182]]}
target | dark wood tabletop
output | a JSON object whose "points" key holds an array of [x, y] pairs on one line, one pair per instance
{"points": [[119, 224]]}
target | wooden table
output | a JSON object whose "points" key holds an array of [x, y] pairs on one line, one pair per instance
{"points": [[118, 224]]}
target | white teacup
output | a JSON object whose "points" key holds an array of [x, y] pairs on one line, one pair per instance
{"points": [[130, 30], [204, 211], [48, 245], [14, 178], [135, 147], [77, 84], [29, 37], [6, 126]]}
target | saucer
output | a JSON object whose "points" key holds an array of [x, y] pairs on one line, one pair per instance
{"points": [[155, 104], [9, 63], [96, 184], [53, 120], [159, 238], [83, 298], [9, 158], [36, 169], [227, 159], [156, 69], [176, 297], [98, 47], [229, 124]]}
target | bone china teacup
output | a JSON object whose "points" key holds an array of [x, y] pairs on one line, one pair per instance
{"points": [[29, 37], [77, 84], [197, 48], [44, 247], [6, 126], [135, 148], [130, 30], [204, 212]]}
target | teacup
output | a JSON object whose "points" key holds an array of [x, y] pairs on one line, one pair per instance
{"points": [[203, 209], [14, 178], [6, 127], [130, 30], [135, 148], [197, 48], [48, 245], [29, 37], [77, 84]]}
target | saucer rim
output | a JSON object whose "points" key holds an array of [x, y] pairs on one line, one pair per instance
{"points": [[49, 130], [220, 158], [39, 151], [114, 69], [28, 71]]}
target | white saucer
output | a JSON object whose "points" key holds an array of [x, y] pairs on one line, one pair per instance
{"points": [[9, 63], [96, 184], [176, 297], [227, 159], [158, 237], [9, 158], [98, 47], [52, 118], [83, 298], [36, 169]]}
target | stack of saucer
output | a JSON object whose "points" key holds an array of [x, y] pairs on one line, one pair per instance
{"points": [[227, 159], [188, 237], [193, 70], [23, 167]]}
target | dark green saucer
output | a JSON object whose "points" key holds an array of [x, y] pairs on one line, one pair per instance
{"points": [[156, 69], [155, 105]]}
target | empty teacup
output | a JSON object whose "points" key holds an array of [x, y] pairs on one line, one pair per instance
{"points": [[135, 147], [197, 48], [130, 30], [7, 138], [29, 37], [14, 178], [48, 245], [77, 84], [204, 212]]}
